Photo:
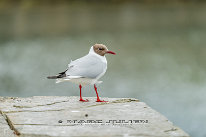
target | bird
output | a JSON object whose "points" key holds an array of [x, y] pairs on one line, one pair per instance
{"points": [[86, 70]]}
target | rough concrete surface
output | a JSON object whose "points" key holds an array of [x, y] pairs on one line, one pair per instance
{"points": [[65, 116]]}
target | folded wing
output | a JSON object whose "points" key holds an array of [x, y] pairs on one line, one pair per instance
{"points": [[88, 66]]}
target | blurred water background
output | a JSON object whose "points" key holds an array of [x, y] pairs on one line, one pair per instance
{"points": [[160, 48]]}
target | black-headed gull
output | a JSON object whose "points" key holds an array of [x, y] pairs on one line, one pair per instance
{"points": [[86, 70]]}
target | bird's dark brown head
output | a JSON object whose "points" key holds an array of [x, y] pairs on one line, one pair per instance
{"points": [[101, 49]]}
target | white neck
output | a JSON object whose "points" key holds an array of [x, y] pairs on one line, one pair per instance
{"points": [[92, 50]]}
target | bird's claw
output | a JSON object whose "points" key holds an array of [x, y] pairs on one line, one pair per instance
{"points": [[84, 100], [98, 100]]}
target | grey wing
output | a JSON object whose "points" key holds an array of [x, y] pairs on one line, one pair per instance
{"points": [[88, 66]]}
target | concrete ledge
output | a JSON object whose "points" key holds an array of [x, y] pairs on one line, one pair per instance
{"points": [[66, 116]]}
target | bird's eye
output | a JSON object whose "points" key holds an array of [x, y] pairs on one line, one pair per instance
{"points": [[101, 49]]}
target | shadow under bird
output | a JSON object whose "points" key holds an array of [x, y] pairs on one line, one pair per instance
{"points": [[86, 70]]}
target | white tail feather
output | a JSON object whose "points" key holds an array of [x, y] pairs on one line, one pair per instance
{"points": [[61, 80], [71, 77]]}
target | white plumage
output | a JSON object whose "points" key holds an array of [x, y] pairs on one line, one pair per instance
{"points": [[86, 70]]}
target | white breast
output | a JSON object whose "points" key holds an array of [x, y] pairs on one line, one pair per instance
{"points": [[105, 68]]}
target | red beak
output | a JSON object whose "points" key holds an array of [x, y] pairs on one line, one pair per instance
{"points": [[111, 52]]}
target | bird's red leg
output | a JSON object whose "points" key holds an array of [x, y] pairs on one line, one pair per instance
{"points": [[98, 99], [81, 99]]}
